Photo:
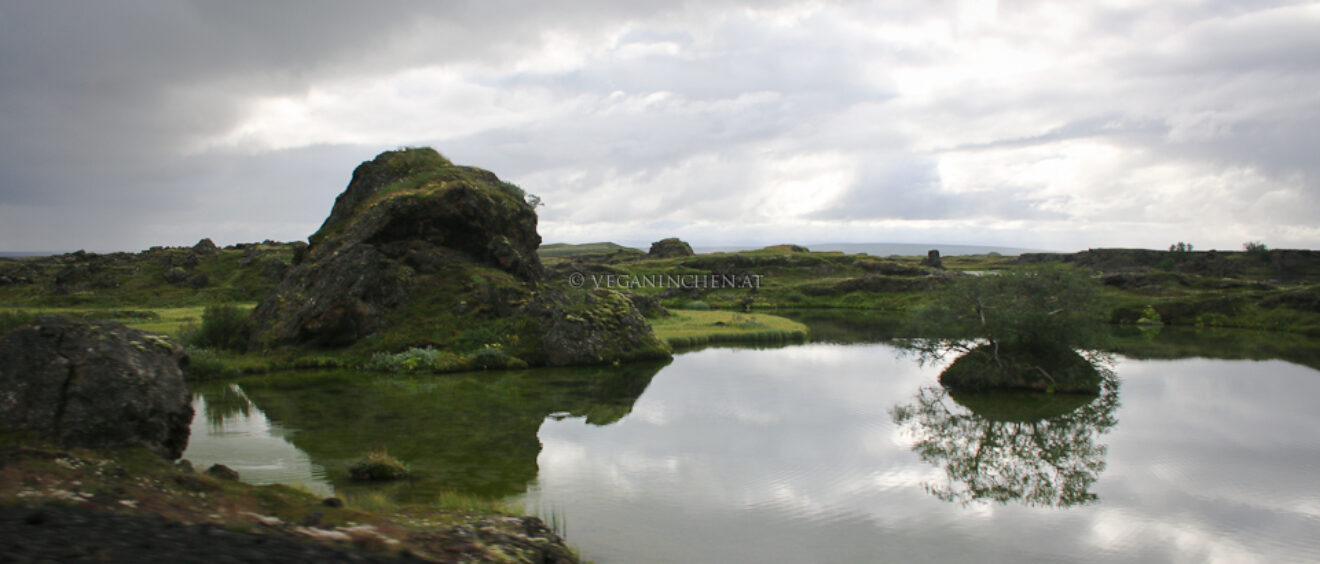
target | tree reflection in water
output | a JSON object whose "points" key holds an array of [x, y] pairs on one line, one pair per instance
{"points": [[1032, 448]]}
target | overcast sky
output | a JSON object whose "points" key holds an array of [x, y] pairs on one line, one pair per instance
{"points": [[1052, 125]]}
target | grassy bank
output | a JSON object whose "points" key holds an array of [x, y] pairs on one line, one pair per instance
{"points": [[690, 328]]}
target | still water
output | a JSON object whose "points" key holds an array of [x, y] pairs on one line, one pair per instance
{"points": [[821, 453]]}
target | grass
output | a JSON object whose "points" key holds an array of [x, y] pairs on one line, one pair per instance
{"points": [[696, 328], [168, 321]]}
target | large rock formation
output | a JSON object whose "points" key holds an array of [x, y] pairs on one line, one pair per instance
{"points": [[95, 385], [669, 248], [420, 252]]}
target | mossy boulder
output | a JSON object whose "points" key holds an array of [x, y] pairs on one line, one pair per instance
{"points": [[669, 248], [419, 252], [1019, 368]]}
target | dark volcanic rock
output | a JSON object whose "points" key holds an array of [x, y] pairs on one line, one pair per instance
{"points": [[933, 259], [299, 252], [176, 275], [274, 268], [669, 248], [95, 385], [205, 247], [608, 327], [222, 472]]}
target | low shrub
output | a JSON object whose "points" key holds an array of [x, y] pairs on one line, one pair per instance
{"points": [[223, 327], [416, 359]]}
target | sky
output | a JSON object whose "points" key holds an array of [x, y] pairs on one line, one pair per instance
{"points": [[1062, 126]]}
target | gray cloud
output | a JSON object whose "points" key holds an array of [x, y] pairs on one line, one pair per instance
{"points": [[676, 113]]}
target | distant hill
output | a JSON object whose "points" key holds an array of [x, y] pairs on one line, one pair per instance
{"points": [[559, 250]]}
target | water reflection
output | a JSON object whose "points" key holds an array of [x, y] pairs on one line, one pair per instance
{"points": [[222, 402], [1029, 448], [473, 433], [793, 455]]}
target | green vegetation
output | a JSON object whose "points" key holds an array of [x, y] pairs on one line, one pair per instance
{"points": [[1257, 249], [159, 277], [685, 329], [10, 320], [378, 465], [1016, 329], [1206, 289], [1033, 308], [223, 327], [473, 433], [1150, 317], [426, 359]]}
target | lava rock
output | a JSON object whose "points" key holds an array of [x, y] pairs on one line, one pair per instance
{"points": [[95, 385], [222, 472], [205, 247], [669, 248]]}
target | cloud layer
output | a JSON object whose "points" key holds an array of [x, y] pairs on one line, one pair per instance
{"points": [[127, 124]]}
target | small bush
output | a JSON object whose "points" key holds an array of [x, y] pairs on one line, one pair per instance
{"points": [[378, 465], [1150, 317], [697, 305], [223, 327]]}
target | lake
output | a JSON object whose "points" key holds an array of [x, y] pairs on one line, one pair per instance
{"points": [[827, 452]]}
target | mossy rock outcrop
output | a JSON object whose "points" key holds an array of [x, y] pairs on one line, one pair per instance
{"points": [[669, 248], [419, 252]]}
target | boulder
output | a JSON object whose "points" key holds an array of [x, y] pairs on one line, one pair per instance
{"points": [[95, 385], [222, 472], [176, 275], [669, 248], [932, 259]]}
